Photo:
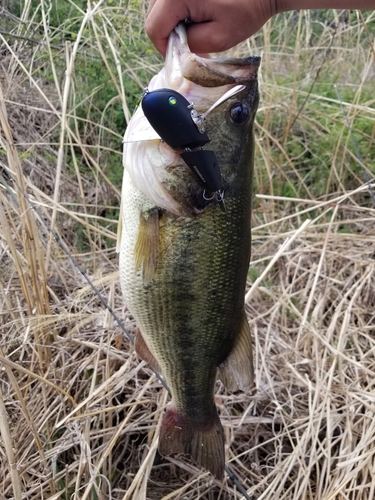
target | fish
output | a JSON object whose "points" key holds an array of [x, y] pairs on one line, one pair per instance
{"points": [[184, 254]]}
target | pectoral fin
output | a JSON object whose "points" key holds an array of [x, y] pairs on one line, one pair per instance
{"points": [[146, 251], [237, 371]]}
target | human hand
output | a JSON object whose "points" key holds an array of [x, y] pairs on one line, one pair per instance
{"points": [[216, 25]]}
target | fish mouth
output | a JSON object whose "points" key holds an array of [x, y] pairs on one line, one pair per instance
{"points": [[182, 65]]}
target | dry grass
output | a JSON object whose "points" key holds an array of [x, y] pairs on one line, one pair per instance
{"points": [[79, 414]]}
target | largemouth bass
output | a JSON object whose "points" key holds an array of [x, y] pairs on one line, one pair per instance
{"points": [[183, 259]]}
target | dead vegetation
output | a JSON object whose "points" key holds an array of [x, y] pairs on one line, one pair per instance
{"points": [[79, 414]]}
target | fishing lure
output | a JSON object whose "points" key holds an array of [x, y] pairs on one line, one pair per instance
{"points": [[180, 126]]}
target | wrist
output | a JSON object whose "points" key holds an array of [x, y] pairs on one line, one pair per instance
{"points": [[287, 5]]}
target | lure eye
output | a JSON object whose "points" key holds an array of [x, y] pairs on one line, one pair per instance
{"points": [[239, 113]]}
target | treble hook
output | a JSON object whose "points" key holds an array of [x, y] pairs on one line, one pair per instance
{"points": [[219, 195]]}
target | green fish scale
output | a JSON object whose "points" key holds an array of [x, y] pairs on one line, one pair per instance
{"points": [[190, 313]]}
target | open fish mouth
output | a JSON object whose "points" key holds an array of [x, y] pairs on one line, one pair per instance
{"points": [[206, 71], [202, 80]]}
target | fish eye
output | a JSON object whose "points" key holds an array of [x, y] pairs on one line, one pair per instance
{"points": [[239, 113]]}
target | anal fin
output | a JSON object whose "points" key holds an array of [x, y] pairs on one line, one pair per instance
{"points": [[237, 371], [146, 251], [143, 351], [204, 443]]}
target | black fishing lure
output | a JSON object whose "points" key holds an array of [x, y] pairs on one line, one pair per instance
{"points": [[178, 124]]}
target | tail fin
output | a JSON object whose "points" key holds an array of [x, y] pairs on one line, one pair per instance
{"points": [[205, 444]]}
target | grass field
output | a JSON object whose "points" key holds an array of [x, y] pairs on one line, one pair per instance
{"points": [[79, 414]]}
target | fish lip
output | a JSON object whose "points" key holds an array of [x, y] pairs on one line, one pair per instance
{"points": [[206, 71], [177, 48]]}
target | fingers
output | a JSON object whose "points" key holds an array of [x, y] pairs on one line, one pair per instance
{"points": [[163, 16], [217, 25]]}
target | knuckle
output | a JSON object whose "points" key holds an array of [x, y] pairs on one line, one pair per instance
{"points": [[149, 28]]}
